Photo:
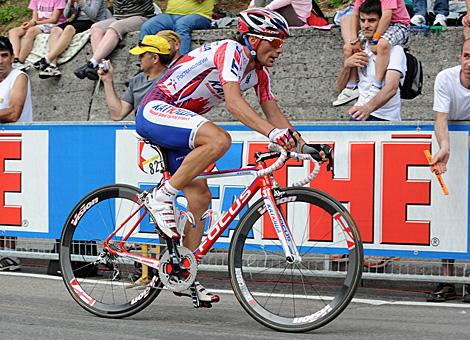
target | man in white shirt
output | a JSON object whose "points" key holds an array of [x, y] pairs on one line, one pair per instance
{"points": [[386, 105], [15, 90], [451, 102]]}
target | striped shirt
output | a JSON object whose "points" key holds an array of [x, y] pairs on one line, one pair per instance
{"points": [[130, 8]]}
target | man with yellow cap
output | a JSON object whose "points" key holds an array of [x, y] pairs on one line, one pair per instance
{"points": [[155, 54]]}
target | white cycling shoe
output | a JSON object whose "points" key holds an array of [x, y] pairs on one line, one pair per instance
{"points": [[163, 215]]}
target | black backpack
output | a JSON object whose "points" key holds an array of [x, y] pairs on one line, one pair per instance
{"points": [[413, 83]]}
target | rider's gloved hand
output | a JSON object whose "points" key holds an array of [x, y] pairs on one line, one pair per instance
{"points": [[283, 137]]}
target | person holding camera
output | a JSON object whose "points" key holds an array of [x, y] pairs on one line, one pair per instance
{"points": [[155, 54]]}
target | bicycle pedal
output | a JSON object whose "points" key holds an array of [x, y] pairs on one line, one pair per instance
{"points": [[194, 296]]}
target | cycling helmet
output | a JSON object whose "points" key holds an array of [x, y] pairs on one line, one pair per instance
{"points": [[260, 21]]}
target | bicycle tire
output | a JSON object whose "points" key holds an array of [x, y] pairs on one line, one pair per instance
{"points": [[107, 288], [326, 278]]}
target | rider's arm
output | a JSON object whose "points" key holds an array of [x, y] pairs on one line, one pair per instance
{"points": [[16, 102], [242, 111], [276, 117]]}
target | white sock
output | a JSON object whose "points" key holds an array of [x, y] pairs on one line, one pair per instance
{"points": [[46, 58], [94, 62], [165, 193]]}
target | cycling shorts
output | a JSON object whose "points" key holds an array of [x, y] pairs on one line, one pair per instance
{"points": [[172, 128]]}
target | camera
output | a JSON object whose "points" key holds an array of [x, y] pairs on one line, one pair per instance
{"points": [[104, 65]]}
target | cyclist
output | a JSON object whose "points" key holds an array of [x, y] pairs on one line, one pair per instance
{"points": [[170, 115]]}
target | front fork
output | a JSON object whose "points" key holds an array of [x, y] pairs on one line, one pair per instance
{"points": [[280, 226]]}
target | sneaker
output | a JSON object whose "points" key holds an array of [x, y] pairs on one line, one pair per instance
{"points": [[441, 20], [87, 71], [418, 20], [41, 64], [7, 263], [163, 214], [346, 96], [371, 94], [202, 294], [442, 292], [50, 72], [19, 65]]}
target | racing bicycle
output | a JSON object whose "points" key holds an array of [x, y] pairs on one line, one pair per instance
{"points": [[283, 277]]}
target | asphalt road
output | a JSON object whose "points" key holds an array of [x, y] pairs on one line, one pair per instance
{"points": [[39, 307]]}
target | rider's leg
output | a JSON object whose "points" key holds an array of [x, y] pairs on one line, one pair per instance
{"points": [[211, 143], [199, 196]]}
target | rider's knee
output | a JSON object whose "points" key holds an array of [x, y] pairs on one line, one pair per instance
{"points": [[222, 141]]}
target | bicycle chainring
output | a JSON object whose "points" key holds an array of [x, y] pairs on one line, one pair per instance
{"points": [[180, 276]]}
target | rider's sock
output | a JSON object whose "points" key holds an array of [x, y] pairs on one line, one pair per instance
{"points": [[165, 193]]}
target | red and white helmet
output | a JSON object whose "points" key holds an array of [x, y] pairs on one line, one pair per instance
{"points": [[263, 22]]}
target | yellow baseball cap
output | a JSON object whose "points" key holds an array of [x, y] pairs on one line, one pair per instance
{"points": [[153, 44]]}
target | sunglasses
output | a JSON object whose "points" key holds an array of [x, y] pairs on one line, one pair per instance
{"points": [[274, 42], [145, 45]]}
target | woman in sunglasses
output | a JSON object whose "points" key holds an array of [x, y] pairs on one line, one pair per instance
{"points": [[171, 115]]}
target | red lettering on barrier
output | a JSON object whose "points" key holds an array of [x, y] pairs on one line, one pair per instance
{"points": [[399, 192], [357, 190], [10, 181]]}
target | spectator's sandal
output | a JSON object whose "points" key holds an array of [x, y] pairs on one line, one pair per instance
{"points": [[7, 263]]}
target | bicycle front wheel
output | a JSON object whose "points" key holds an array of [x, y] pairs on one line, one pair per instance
{"points": [[103, 283], [309, 293]]}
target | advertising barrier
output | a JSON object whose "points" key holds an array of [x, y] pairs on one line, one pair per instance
{"points": [[381, 175]]}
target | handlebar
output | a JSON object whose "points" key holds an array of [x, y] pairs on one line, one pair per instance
{"points": [[284, 155]]}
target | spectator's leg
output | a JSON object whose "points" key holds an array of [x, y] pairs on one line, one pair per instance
{"points": [[97, 33], [347, 49], [62, 41], [156, 24], [15, 35], [466, 32], [54, 37], [381, 63], [441, 7], [420, 7], [28, 42], [186, 24], [107, 45]]}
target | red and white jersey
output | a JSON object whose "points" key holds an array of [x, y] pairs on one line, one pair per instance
{"points": [[195, 81]]}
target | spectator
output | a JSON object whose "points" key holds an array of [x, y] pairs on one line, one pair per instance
{"points": [[181, 16], [128, 16], [386, 104], [46, 15], [392, 30], [80, 14], [296, 12], [466, 22], [15, 91], [420, 8], [154, 55], [451, 102], [175, 42]]}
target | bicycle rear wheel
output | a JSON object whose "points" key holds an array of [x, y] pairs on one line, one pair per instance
{"points": [[100, 282], [296, 297]]}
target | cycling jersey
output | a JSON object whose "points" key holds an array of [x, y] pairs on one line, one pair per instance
{"points": [[195, 81], [169, 115]]}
